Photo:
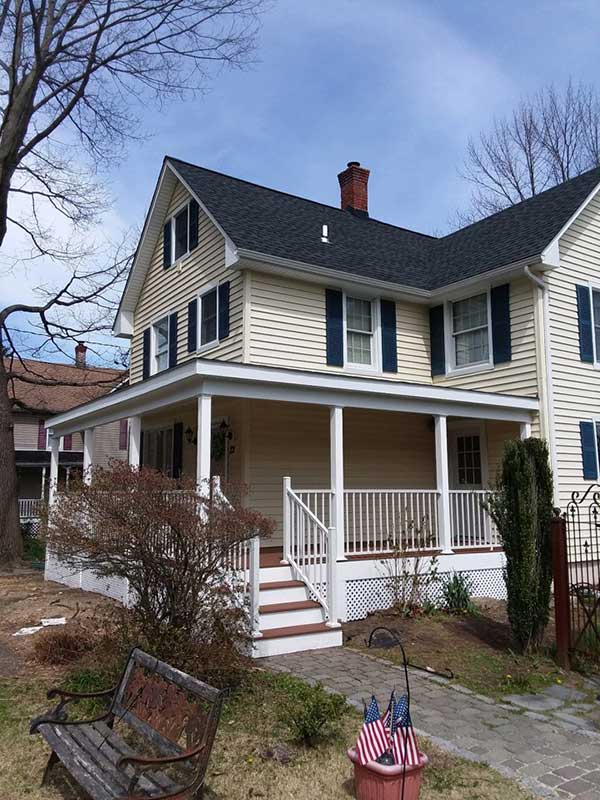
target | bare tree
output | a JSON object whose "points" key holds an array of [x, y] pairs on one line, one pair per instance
{"points": [[548, 138], [71, 74]]}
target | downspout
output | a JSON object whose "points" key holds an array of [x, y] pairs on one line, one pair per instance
{"points": [[544, 363]]}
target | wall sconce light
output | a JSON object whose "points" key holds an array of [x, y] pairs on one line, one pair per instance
{"points": [[189, 436]]}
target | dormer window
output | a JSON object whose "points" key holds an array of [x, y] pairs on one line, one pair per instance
{"points": [[180, 233]]}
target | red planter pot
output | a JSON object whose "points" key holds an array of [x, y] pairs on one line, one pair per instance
{"points": [[380, 782]]}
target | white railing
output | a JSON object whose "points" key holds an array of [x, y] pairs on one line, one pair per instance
{"points": [[30, 508], [307, 546], [319, 501], [381, 520], [470, 524]]}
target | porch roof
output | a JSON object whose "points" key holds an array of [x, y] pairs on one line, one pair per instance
{"points": [[231, 379]]}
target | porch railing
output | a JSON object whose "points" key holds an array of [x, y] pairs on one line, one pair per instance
{"points": [[30, 508], [308, 544], [470, 524]]}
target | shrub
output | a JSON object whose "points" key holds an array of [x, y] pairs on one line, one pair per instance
{"points": [[309, 712], [62, 644], [521, 507], [411, 573], [456, 594], [174, 546]]}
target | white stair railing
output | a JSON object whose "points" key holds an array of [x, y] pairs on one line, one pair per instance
{"points": [[308, 544]]}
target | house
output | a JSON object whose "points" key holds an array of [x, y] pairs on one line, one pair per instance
{"points": [[46, 389], [362, 379]]}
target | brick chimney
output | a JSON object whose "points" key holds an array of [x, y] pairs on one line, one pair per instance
{"points": [[353, 183], [80, 354]]}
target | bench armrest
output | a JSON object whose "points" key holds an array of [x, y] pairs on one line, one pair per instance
{"points": [[58, 716], [66, 695], [165, 761]]}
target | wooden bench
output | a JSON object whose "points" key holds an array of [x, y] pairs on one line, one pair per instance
{"points": [[170, 717]]}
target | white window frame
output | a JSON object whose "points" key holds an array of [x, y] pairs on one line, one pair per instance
{"points": [[153, 343], [375, 366], [449, 337], [200, 348], [594, 287], [171, 222]]}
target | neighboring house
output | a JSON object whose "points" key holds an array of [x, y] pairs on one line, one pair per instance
{"points": [[34, 404], [363, 377]]}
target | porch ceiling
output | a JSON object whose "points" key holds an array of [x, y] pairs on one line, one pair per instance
{"points": [[204, 376]]}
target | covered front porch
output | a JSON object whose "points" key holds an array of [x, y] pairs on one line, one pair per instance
{"points": [[352, 471]]}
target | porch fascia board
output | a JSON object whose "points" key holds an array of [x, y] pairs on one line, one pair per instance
{"points": [[232, 379]]}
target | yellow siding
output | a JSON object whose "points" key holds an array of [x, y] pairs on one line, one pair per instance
{"points": [[518, 376], [106, 444], [576, 384], [26, 433], [165, 291], [497, 434], [287, 329]]}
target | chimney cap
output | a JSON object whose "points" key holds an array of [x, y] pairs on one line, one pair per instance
{"points": [[353, 164]]}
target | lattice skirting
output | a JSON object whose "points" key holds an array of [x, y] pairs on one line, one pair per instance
{"points": [[86, 579], [364, 595]]}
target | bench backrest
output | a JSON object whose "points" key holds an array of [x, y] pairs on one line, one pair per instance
{"points": [[170, 709]]}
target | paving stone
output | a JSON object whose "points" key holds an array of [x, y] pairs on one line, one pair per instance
{"points": [[565, 693], [550, 779], [569, 772], [577, 786], [533, 702], [577, 722]]}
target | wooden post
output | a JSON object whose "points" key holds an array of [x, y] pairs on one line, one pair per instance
{"points": [[562, 610]]}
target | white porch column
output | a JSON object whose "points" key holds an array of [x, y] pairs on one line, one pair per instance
{"points": [[88, 454], [203, 448], [336, 437], [54, 443], [443, 483], [135, 440], [43, 491], [525, 430]]}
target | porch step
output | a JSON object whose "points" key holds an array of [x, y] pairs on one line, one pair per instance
{"points": [[286, 615], [291, 639], [276, 572], [275, 592]]}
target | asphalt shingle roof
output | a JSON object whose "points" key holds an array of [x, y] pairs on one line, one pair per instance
{"points": [[279, 224]]}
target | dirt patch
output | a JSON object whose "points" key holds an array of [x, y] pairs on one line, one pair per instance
{"points": [[475, 649], [25, 599]]}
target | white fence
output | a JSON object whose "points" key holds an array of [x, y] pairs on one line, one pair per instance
{"points": [[470, 524]]}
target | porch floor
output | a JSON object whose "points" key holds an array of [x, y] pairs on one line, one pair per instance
{"points": [[272, 556]]}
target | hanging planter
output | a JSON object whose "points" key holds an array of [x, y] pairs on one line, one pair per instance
{"points": [[382, 782]]}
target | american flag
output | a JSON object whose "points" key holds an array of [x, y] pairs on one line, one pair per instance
{"points": [[373, 740], [387, 717], [404, 746]]}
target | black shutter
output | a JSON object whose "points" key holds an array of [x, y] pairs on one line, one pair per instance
{"points": [[334, 325], [193, 224], [500, 302], [167, 255], [224, 310], [584, 315], [177, 449], [436, 335], [192, 333], [141, 448], [146, 353], [588, 451], [173, 340], [389, 350]]}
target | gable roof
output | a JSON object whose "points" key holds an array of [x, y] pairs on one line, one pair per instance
{"points": [[279, 224], [87, 383]]}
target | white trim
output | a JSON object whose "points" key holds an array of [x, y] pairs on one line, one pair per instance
{"points": [[551, 251], [247, 316], [375, 365], [186, 380], [171, 218], [209, 287], [153, 340], [463, 428], [450, 338]]}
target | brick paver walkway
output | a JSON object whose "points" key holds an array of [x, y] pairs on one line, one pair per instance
{"points": [[551, 759]]}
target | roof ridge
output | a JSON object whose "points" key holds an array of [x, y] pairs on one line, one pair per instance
{"points": [[86, 368], [299, 197]]}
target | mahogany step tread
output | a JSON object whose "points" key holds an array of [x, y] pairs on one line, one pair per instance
{"points": [[280, 585], [297, 630], [298, 605]]}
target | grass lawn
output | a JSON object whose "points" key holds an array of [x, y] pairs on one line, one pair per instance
{"points": [[240, 766], [475, 648]]}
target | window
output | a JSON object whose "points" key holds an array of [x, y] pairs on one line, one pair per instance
{"points": [[209, 317], [161, 344], [158, 450], [468, 457], [596, 318], [470, 331], [181, 233], [359, 331]]}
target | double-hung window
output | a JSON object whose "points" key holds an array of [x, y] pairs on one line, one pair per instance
{"points": [[470, 333], [360, 332], [160, 332], [180, 233], [209, 317]]}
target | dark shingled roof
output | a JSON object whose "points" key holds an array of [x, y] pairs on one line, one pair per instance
{"points": [[279, 224]]}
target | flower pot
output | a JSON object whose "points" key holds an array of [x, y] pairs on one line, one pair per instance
{"points": [[379, 782]]}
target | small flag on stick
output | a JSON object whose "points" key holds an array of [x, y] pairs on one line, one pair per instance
{"points": [[373, 740], [405, 747]]}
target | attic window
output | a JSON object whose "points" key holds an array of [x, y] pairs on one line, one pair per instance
{"points": [[180, 233]]}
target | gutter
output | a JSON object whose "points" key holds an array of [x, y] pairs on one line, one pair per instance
{"points": [[542, 314]]}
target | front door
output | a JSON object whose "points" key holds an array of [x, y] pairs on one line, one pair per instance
{"points": [[467, 460], [467, 466]]}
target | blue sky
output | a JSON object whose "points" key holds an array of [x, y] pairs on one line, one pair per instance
{"points": [[397, 85]]}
